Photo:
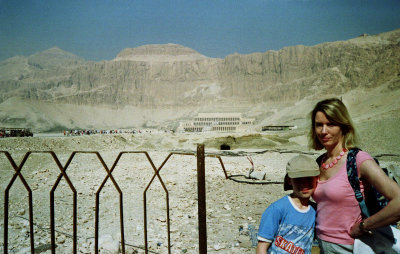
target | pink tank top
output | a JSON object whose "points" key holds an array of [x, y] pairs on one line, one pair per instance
{"points": [[337, 207]]}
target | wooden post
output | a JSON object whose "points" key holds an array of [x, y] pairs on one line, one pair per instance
{"points": [[201, 193]]}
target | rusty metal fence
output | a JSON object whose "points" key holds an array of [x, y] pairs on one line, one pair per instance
{"points": [[201, 191]]}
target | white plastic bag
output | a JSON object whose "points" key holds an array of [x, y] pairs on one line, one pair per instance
{"points": [[385, 240]]}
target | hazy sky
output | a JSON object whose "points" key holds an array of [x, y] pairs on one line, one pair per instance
{"points": [[100, 29]]}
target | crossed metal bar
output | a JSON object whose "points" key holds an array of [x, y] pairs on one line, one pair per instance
{"points": [[17, 168]]}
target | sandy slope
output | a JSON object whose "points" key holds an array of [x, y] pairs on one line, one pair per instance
{"points": [[231, 206]]}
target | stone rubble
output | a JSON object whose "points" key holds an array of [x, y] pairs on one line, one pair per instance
{"points": [[233, 209]]}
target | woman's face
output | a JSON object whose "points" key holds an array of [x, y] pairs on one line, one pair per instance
{"points": [[328, 133]]}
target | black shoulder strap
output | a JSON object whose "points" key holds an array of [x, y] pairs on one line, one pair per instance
{"points": [[352, 175]]}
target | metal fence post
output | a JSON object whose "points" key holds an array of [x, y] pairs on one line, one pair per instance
{"points": [[201, 192]]}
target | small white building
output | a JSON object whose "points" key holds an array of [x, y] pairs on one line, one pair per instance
{"points": [[217, 122]]}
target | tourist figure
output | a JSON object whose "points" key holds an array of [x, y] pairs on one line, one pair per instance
{"points": [[287, 225], [339, 218]]}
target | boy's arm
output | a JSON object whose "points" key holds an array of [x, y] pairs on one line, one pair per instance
{"points": [[262, 247]]}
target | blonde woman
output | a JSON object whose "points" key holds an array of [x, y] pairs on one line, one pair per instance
{"points": [[339, 218]]}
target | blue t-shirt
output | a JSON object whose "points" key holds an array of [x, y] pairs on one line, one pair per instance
{"points": [[289, 229]]}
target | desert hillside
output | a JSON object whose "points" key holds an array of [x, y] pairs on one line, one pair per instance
{"points": [[158, 85], [150, 88], [233, 208]]}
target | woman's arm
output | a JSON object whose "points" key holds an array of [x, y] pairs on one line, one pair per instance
{"points": [[390, 214], [262, 247]]}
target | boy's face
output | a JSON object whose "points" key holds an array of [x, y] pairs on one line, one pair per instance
{"points": [[303, 187]]}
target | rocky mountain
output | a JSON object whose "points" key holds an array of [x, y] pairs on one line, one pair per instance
{"points": [[155, 85]]}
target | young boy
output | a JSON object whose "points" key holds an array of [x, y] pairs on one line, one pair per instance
{"points": [[287, 225]]}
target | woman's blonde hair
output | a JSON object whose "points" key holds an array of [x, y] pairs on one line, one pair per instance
{"points": [[337, 113]]}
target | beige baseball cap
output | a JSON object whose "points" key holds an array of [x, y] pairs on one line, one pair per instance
{"points": [[300, 166]]}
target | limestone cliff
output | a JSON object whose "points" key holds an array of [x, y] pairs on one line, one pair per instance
{"points": [[176, 77]]}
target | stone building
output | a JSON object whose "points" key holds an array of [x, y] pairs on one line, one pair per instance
{"points": [[217, 122]]}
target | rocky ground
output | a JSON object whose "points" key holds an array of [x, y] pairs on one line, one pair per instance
{"points": [[233, 209]]}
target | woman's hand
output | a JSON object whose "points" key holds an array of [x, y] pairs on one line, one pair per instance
{"points": [[355, 231], [358, 230]]}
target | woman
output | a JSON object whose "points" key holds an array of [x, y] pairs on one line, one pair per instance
{"points": [[339, 218]]}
